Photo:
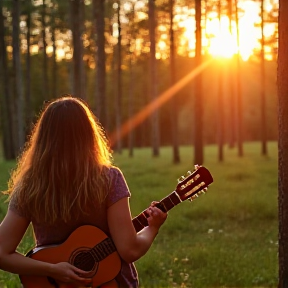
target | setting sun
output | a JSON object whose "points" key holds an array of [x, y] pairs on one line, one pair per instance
{"points": [[220, 38], [220, 42]]}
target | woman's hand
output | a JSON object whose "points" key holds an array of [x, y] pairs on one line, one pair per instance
{"points": [[156, 216], [67, 273]]}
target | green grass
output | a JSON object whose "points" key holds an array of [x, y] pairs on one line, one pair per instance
{"points": [[225, 238]]}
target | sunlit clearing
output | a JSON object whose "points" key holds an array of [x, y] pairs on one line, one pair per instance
{"points": [[9, 49], [189, 34], [34, 49], [115, 30], [127, 6], [49, 49], [248, 35], [221, 42], [223, 46], [162, 45], [60, 54], [68, 55], [269, 29]]}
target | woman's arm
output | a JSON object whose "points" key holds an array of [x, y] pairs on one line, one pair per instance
{"points": [[131, 245], [12, 230]]}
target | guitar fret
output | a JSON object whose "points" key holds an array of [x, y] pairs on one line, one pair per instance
{"points": [[165, 205], [170, 201], [103, 249], [137, 224]]}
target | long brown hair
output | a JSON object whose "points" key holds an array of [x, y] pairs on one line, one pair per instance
{"points": [[64, 163]]}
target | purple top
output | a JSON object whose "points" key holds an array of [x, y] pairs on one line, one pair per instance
{"points": [[96, 216]]}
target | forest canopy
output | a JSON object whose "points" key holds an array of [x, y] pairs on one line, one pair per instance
{"points": [[111, 54]]}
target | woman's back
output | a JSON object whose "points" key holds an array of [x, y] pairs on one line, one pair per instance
{"points": [[64, 179]]}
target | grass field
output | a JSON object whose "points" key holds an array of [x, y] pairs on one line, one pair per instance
{"points": [[225, 238]]}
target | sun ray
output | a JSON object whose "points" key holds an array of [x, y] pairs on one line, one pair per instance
{"points": [[139, 117]]}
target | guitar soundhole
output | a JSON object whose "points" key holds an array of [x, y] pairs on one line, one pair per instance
{"points": [[84, 261]]}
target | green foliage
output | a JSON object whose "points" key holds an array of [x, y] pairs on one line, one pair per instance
{"points": [[226, 238]]}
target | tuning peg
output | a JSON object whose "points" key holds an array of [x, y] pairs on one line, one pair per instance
{"points": [[193, 197], [196, 167], [188, 173], [181, 179]]}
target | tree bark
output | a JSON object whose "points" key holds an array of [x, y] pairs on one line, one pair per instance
{"points": [[5, 101], [282, 78], [100, 89], [231, 76], [198, 115], [220, 124], [28, 75], [263, 88], [46, 95], [131, 108], [239, 91], [19, 103], [173, 103], [118, 101], [54, 83], [153, 81], [77, 23]]}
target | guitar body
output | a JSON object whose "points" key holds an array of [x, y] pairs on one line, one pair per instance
{"points": [[81, 249]]}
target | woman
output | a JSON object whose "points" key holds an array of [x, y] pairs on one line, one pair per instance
{"points": [[64, 179]]}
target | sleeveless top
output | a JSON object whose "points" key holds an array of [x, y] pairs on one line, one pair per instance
{"points": [[96, 216]]}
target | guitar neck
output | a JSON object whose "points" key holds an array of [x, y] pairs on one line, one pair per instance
{"points": [[165, 205]]}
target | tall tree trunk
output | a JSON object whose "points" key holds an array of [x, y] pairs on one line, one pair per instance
{"points": [[100, 89], [145, 88], [70, 78], [45, 60], [28, 75], [262, 87], [131, 101], [282, 75], [198, 119], [77, 24], [173, 102], [54, 67], [5, 101], [239, 91], [18, 77], [131, 106], [119, 83], [220, 114], [153, 81], [231, 76], [83, 64], [220, 109]]}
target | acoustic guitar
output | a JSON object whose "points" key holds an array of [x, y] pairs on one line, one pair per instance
{"points": [[90, 249]]}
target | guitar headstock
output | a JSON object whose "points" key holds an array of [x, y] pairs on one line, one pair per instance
{"points": [[194, 183]]}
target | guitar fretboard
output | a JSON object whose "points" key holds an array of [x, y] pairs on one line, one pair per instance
{"points": [[103, 249], [165, 205]]}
